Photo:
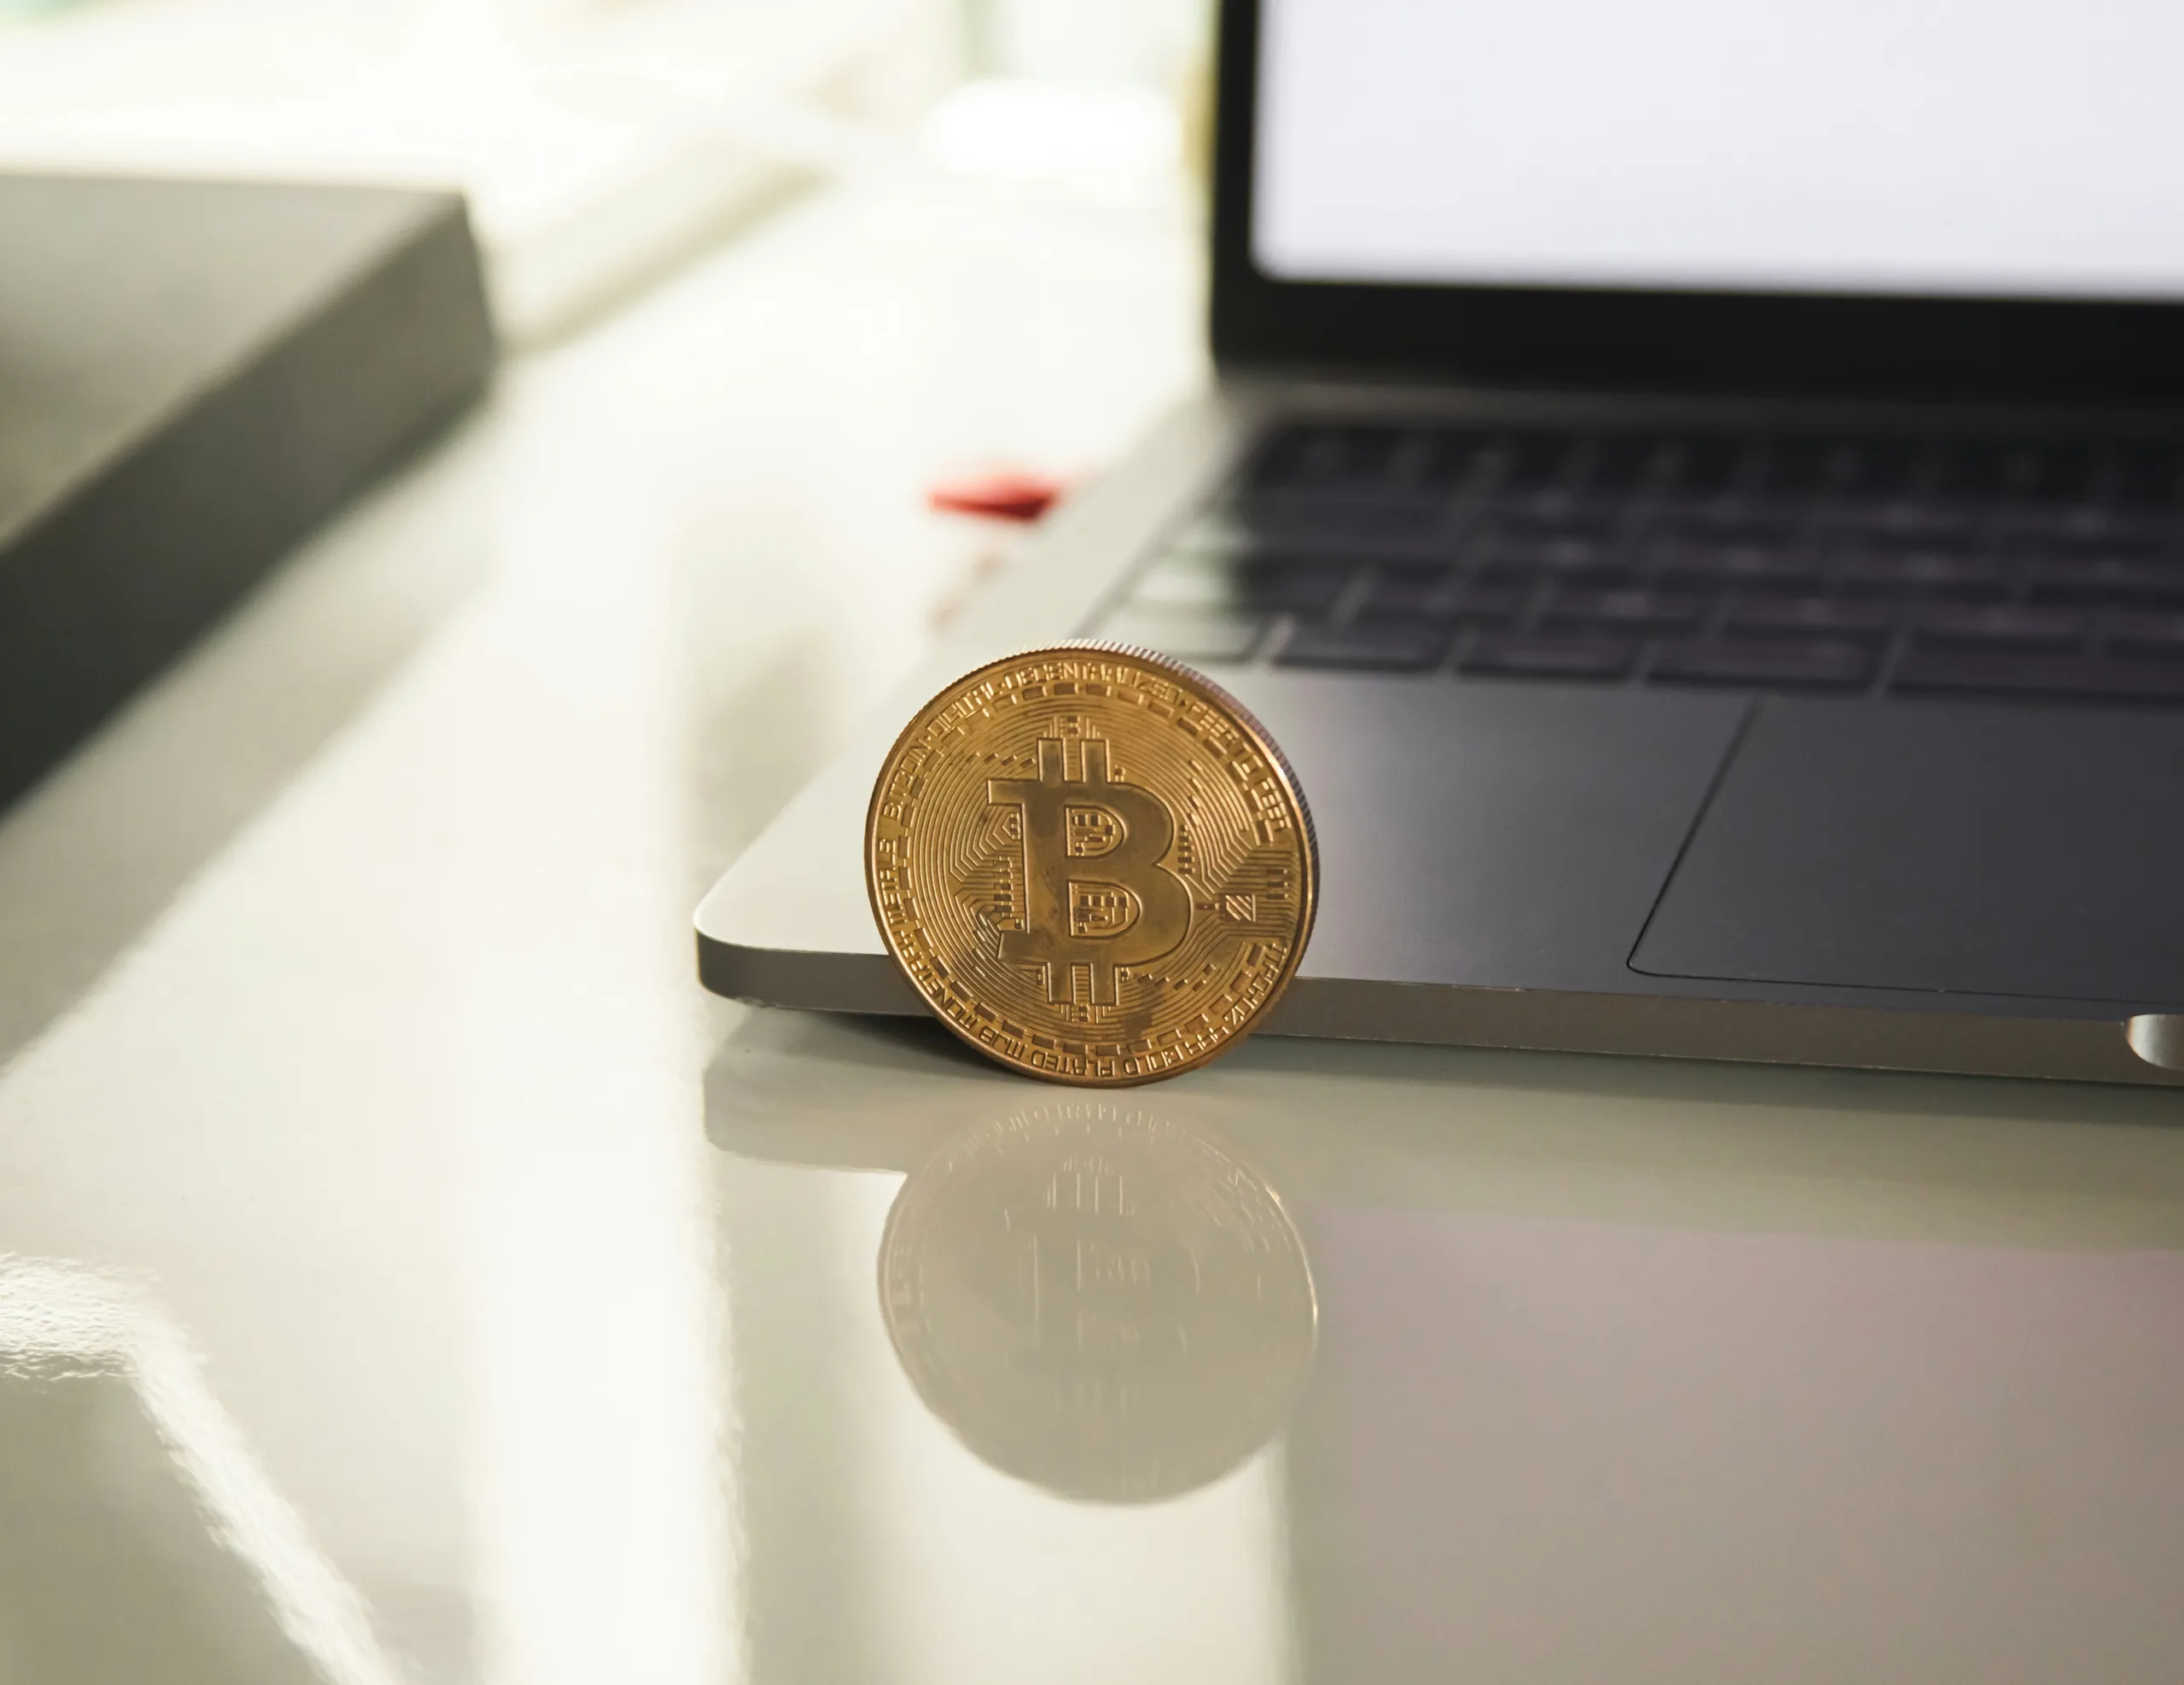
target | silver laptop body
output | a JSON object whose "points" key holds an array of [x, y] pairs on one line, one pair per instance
{"points": [[1720, 584]]}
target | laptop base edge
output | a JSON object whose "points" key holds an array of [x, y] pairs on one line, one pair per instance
{"points": [[1552, 1020]]}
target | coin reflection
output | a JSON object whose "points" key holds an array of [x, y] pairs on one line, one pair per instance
{"points": [[1099, 1300]]}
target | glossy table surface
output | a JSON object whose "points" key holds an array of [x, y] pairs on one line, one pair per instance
{"points": [[410, 1274]]}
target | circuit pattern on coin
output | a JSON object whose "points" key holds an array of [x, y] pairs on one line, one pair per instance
{"points": [[1110, 1305], [1092, 863]]}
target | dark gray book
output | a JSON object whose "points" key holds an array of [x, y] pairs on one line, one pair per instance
{"points": [[192, 377]]}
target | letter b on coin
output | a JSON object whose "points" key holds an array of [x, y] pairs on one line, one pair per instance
{"points": [[1097, 894]]}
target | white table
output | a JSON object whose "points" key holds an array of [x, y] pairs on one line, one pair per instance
{"points": [[398, 1206]]}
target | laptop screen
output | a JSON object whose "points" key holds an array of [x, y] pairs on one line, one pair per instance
{"points": [[1974, 148]]}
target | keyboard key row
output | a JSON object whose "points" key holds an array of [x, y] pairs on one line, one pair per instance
{"points": [[1814, 563], [2042, 677], [1311, 582], [2025, 655], [1393, 456], [1633, 612], [1443, 597], [1796, 664]]}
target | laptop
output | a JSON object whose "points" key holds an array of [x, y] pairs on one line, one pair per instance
{"points": [[1695, 491]]}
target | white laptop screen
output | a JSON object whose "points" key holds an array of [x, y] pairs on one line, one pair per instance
{"points": [[1994, 148]]}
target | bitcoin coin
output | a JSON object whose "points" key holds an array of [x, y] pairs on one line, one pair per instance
{"points": [[1092, 863], [1105, 1303]]}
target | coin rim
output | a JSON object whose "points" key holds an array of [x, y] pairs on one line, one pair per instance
{"points": [[1262, 739]]}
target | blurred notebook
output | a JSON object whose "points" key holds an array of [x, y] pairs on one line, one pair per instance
{"points": [[192, 377]]}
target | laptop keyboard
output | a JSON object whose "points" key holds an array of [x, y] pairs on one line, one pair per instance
{"points": [[1849, 565]]}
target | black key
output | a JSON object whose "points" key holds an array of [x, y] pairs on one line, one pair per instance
{"points": [[1710, 464], [1988, 472], [1533, 461], [1330, 457], [1919, 524], [2091, 531], [1412, 463], [1242, 586], [1889, 469], [1402, 595], [1623, 464], [1383, 646], [1718, 564], [1479, 603], [1574, 554], [2133, 578], [2041, 676], [1809, 664], [1924, 570], [1452, 458], [1809, 466], [1813, 616], [2157, 635], [1411, 587], [2051, 530], [1609, 570], [1279, 462], [1979, 471], [2051, 478], [1390, 523], [1300, 587], [1559, 511], [1999, 626], [1634, 612], [1565, 526], [1743, 526], [2145, 477], [1575, 658], [1186, 634]]}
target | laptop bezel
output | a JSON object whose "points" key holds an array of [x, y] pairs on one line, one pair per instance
{"points": [[1824, 345]]}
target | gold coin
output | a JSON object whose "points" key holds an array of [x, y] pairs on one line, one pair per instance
{"points": [[1093, 863], [1107, 1304]]}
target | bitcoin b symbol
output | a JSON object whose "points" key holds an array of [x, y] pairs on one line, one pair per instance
{"points": [[1134, 910]]}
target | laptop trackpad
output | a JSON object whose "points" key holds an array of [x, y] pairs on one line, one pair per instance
{"points": [[1985, 850]]}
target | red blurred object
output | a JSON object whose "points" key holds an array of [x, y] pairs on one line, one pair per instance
{"points": [[1004, 494]]}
